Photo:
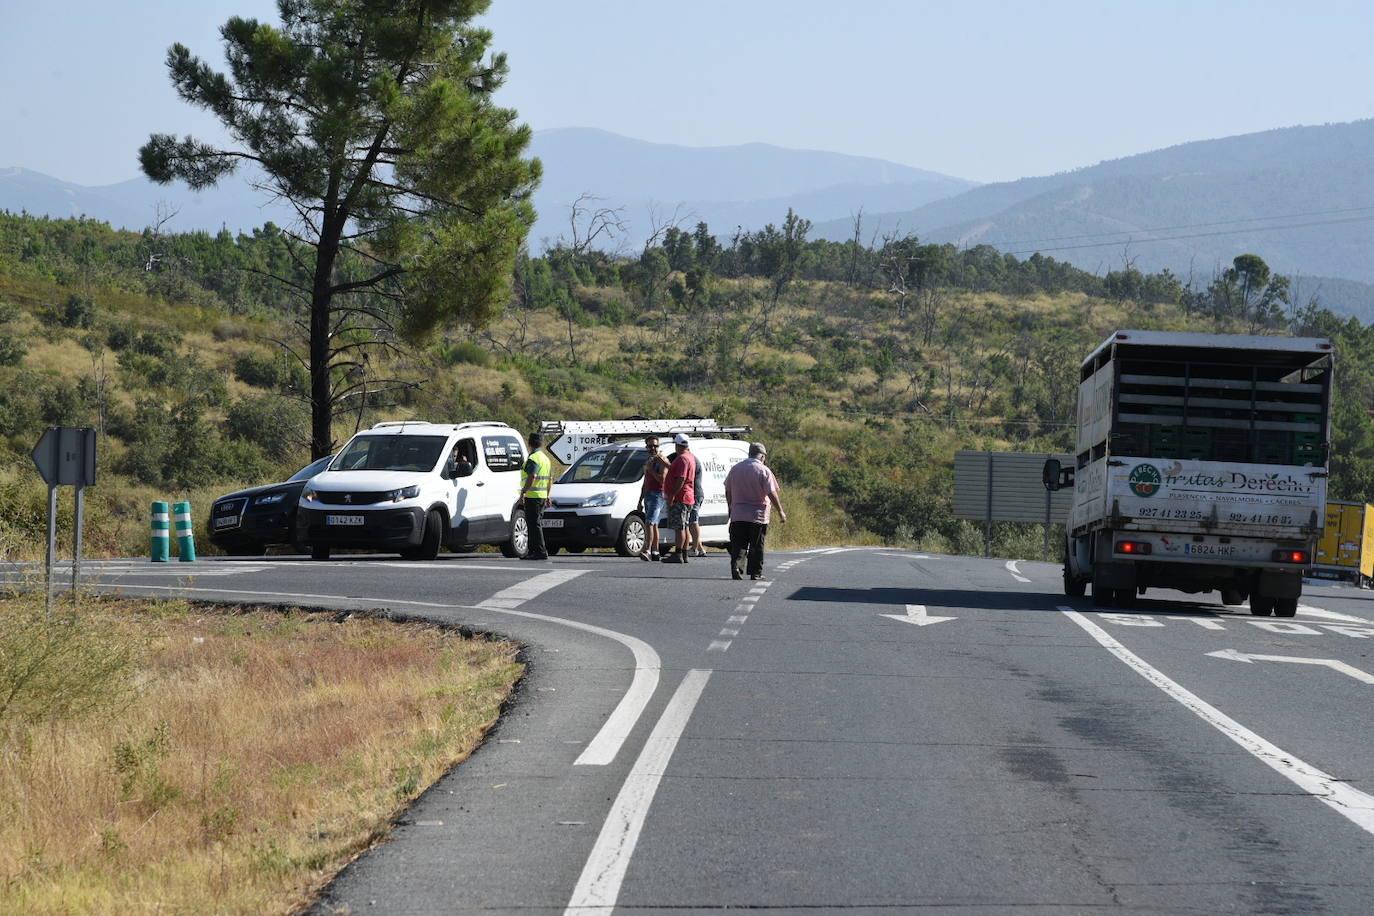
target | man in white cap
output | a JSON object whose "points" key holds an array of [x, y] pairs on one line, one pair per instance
{"points": [[679, 487], [750, 491]]}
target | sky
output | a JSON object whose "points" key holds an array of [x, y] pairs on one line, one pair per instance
{"points": [[987, 90]]}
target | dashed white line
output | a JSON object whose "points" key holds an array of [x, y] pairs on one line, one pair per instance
{"points": [[737, 618], [1356, 806], [719, 645]]}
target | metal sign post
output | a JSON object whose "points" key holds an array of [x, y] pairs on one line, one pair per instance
{"points": [[65, 457]]}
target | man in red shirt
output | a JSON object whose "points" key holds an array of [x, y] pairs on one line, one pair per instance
{"points": [[750, 491], [679, 487]]}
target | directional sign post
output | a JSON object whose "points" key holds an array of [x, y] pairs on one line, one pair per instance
{"points": [[65, 456]]}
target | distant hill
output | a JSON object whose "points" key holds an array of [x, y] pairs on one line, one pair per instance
{"points": [[133, 204], [1289, 195], [726, 186]]}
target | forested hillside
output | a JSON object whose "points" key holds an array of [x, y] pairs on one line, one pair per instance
{"points": [[864, 368]]}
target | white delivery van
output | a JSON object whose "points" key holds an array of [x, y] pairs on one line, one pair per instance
{"points": [[411, 487], [593, 503]]}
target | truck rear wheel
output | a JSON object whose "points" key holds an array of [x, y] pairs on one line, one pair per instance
{"points": [[1285, 607], [1261, 606], [1232, 596]]}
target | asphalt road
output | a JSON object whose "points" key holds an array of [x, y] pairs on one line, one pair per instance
{"points": [[867, 730]]}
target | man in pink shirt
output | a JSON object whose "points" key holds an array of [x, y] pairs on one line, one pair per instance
{"points": [[750, 491]]}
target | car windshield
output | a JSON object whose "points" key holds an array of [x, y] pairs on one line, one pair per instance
{"points": [[311, 469], [621, 465], [391, 453]]}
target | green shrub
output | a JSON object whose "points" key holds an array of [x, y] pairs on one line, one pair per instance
{"points": [[59, 666]]}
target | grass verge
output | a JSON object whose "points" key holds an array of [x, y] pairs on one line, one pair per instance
{"points": [[236, 758]]}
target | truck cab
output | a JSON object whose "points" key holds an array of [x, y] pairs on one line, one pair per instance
{"points": [[1200, 465]]}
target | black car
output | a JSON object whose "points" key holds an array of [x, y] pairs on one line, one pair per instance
{"points": [[246, 522]]}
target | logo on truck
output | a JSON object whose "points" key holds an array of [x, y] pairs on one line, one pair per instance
{"points": [[1145, 480]]}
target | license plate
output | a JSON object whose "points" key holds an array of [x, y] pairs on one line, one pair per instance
{"points": [[1209, 550], [550, 523], [226, 521], [343, 519]]}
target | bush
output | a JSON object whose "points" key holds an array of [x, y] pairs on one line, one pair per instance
{"points": [[275, 372], [276, 426], [58, 667], [464, 351]]}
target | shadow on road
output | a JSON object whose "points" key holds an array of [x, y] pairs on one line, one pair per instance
{"points": [[975, 599]]}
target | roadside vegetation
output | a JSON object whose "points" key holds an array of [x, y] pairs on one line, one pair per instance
{"points": [[162, 757], [865, 366]]}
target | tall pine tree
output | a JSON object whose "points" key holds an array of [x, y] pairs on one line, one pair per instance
{"points": [[373, 119]]}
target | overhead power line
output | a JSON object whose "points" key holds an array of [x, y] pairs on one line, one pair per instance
{"points": [[1222, 222], [1195, 235]]}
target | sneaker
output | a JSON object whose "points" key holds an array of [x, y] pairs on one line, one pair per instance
{"points": [[758, 576], [674, 558], [735, 573], [699, 553], [653, 558], [644, 555]]}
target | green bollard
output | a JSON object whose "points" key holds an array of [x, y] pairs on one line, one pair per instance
{"points": [[161, 545], [186, 541]]}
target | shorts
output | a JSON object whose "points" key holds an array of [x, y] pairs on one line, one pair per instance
{"points": [[653, 506], [694, 514], [677, 516]]}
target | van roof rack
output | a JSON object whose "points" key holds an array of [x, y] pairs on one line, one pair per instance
{"points": [[569, 440]]}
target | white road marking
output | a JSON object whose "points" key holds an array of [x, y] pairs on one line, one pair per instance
{"points": [[1349, 802], [1206, 624], [459, 567], [728, 632], [916, 613], [719, 645], [749, 599], [1015, 573], [516, 595], [1308, 610], [604, 747], [1284, 626], [598, 888], [738, 618], [1237, 656]]}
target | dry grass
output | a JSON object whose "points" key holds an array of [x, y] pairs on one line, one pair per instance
{"points": [[262, 751]]}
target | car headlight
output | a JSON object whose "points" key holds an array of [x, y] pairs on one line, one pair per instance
{"points": [[307, 495], [600, 499], [269, 499], [409, 492]]}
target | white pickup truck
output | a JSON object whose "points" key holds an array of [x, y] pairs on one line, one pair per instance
{"points": [[1201, 465]]}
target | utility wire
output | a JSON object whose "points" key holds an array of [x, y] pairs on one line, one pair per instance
{"points": [[1223, 222], [1195, 235]]}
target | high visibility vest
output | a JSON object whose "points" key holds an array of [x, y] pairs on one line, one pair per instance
{"points": [[543, 476]]}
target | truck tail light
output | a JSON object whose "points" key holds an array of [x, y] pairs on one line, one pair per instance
{"points": [[1291, 556], [1133, 547]]}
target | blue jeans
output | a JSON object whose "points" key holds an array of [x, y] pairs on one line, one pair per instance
{"points": [[654, 504]]}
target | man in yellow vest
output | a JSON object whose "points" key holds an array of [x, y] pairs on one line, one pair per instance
{"points": [[534, 495]]}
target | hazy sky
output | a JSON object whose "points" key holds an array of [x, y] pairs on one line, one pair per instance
{"points": [[983, 89]]}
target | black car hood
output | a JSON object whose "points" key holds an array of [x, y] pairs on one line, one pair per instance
{"points": [[287, 486]]}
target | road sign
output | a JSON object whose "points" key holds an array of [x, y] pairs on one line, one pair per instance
{"points": [[65, 456]]}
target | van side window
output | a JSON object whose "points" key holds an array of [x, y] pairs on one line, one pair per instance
{"points": [[503, 453]]}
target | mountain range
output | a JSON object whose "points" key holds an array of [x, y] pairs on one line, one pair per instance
{"points": [[1301, 197]]}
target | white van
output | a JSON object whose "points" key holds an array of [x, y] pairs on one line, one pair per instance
{"points": [[593, 503], [412, 487]]}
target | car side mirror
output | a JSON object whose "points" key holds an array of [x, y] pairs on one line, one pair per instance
{"points": [[462, 469]]}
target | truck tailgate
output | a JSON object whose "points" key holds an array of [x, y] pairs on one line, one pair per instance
{"points": [[1242, 500]]}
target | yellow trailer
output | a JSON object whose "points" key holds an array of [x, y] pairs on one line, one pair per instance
{"points": [[1346, 548]]}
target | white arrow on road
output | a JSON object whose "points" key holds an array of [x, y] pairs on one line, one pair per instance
{"points": [[916, 613], [1332, 663]]}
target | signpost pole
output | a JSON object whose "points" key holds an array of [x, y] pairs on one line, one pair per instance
{"points": [[76, 544], [987, 518], [1045, 553], [52, 546]]}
